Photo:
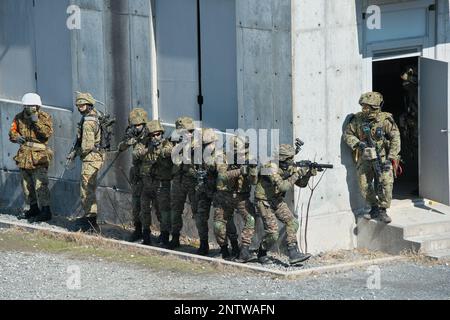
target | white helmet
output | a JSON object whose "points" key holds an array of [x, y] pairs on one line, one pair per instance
{"points": [[32, 99]]}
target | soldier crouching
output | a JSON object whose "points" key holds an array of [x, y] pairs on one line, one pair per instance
{"points": [[273, 183]]}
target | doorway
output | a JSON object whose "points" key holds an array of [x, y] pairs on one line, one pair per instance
{"points": [[197, 61], [397, 80]]}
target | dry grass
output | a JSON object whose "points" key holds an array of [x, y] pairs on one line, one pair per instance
{"points": [[421, 258], [78, 245]]}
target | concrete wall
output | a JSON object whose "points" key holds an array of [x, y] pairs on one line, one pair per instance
{"points": [[264, 65], [327, 83], [330, 73]]}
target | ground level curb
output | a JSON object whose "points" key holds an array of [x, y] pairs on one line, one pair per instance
{"points": [[219, 262]]}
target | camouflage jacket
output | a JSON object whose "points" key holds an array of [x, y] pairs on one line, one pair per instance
{"points": [[231, 179], [209, 167], [387, 142], [35, 153], [88, 136], [184, 169], [276, 182], [154, 162]]}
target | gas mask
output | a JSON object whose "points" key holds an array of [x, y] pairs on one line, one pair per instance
{"points": [[156, 138], [30, 110], [284, 165]]}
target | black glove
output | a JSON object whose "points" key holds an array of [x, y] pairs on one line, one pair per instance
{"points": [[21, 140], [362, 146]]}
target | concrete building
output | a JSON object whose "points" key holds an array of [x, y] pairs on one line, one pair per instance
{"points": [[294, 65]]}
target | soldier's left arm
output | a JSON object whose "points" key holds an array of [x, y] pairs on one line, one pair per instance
{"points": [[88, 140], [393, 134], [44, 126]]}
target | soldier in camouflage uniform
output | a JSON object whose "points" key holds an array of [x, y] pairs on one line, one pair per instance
{"points": [[32, 128], [269, 194], [136, 132], [386, 136], [184, 178], [234, 183], [92, 159], [205, 190], [153, 156]]}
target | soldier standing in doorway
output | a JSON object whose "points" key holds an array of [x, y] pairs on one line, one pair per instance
{"points": [[374, 137]]}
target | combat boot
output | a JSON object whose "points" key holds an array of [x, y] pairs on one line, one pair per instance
{"points": [[164, 238], [175, 242], [262, 256], [373, 214], [30, 213], [384, 216], [224, 251], [87, 225], [43, 216], [94, 227], [137, 233], [204, 248], [235, 250], [146, 236], [295, 256], [247, 256]]}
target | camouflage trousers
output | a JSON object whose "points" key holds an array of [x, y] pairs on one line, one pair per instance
{"points": [[225, 203], [201, 217], [89, 172], [271, 212], [136, 191], [155, 194], [182, 187], [35, 186], [366, 177]]}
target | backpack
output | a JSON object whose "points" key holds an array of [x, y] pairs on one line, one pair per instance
{"points": [[105, 123]]}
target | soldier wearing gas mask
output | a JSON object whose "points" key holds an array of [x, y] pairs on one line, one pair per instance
{"points": [[153, 157], [374, 137], [31, 129], [136, 132]]}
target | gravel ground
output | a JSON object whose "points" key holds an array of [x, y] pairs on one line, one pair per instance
{"points": [[35, 275], [279, 261]]}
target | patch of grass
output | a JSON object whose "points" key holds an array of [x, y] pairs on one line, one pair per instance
{"points": [[79, 246]]}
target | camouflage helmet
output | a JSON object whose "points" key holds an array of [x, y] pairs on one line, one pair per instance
{"points": [[155, 126], [208, 136], [285, 152], [185, 123], [137, 116], [374, 99], [84, 98]]}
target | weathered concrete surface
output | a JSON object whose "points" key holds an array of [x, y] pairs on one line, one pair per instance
{"points": [[264, 65], [330, 72], [415, 227]]}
